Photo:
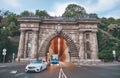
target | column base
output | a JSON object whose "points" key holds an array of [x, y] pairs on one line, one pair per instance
{"points": [[89, 61], [78, 61]]}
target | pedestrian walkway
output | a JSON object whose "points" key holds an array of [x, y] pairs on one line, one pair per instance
{"points": [[12, 64], [102, 64], [110, 63]]}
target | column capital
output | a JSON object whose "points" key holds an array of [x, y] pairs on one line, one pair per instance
{"points": [[35, 29], [94, 31]]}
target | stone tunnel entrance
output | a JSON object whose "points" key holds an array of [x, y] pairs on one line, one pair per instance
{"points": [[72, 39], [62, 45], [58, 46]]}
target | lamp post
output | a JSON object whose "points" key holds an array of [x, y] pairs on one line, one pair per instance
{"points": [[4, 53], [114, 54]]}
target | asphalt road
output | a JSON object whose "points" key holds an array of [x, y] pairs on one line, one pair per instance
{"points": [[17, 71]]}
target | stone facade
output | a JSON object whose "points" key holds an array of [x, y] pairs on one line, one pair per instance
{"points": [[36, 34]]}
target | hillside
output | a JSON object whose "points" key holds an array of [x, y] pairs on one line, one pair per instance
{"points": [[109, 38]]}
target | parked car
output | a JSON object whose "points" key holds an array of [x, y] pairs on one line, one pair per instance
{"points": [[36, 65]]}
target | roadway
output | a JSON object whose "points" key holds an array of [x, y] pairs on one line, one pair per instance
{"points": [[71, 71]]}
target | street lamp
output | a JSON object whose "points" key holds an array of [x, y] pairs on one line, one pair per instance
{"points": [[4, 53], [114, 54]]}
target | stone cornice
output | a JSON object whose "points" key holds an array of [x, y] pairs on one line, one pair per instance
{"points": [[60, 21], [27, 20], [88, 21]]}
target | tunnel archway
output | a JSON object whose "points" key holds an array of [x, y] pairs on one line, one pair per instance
{"points": [[73, 50], [58, 46]]}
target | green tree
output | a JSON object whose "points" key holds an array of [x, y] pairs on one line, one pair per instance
{"points": [[0, 21], [13, 29], [5, 12], [26, 14], [75, 11], [6, 43], [41, 13], [12, 18], [12, 25], [105, 43], [92, 15]]}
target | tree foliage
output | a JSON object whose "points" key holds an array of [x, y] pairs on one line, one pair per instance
{"points": [[5, 12], [26, 13], [41, 13], [75, 11], [6, 43], [105, 43], [92, 15], [12, 25]]}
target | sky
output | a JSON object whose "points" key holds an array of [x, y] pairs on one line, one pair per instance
{"points": [[103, 8]]}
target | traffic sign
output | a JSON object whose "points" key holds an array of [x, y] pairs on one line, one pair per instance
{"points": [[114, 52], [4, 50], [4, 53]]}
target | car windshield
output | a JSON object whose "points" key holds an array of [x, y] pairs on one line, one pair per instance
{"points": [[36, 61]]}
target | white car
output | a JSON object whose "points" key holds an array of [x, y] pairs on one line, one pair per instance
{"points": [[36, 65]]}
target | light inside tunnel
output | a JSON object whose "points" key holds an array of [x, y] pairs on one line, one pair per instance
{"points": [[58, 46]]}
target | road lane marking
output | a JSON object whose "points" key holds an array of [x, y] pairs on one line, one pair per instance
{"points": [[13, 72], [19, 74], [62, 74]]}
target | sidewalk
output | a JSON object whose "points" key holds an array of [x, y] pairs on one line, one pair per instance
{"points": [[104, 64], [110, 63], [13, 64]]}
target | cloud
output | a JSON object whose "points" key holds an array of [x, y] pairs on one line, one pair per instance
{"points": [[12, 3], [101, 5]]}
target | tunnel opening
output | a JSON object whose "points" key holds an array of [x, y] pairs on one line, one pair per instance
{"points": [[58, 46]]}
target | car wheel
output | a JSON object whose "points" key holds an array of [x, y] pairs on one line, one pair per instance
{"points": [[38, 70], [26, 71]]}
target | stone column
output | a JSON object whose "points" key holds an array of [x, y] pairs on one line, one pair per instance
{"points": [[94, 46], [21, 45], [34, 52], [81, 45], [26, 44]]}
